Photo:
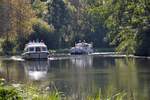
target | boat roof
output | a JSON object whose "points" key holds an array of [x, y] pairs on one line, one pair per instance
{"points": [[35, 44], [82, 43]]}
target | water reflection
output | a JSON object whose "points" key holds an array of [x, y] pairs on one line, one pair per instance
{"points": [[36, 70], [79, 76], [82, 61], [12, 71]]}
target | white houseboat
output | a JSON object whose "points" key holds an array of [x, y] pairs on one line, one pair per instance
{"points": [[35, 50], [82, 48]]}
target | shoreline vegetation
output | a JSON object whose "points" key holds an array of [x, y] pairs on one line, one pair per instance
{"points": [[56, 51], [122, 25], [103, 52], [30, 92]]}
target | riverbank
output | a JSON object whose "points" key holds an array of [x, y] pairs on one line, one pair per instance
{"points": [[30, 92], [103, 52]]}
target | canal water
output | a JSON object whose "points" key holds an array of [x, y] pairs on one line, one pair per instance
{"points": [[79, 76]]}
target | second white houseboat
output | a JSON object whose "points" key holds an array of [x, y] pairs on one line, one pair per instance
{"points": [[82, 48]]}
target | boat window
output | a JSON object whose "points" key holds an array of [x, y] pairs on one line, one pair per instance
{"points": [[44, 49], [31, 49], [37, 49]]}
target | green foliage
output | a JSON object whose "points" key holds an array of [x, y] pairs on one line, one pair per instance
{"points": [[59, 14], [7, 47], [144, 44], [100, 96], [60, 23], [40, 8], [96, 32], [43, 31], [14, 23], [8, 93], [32, 92], [59, 17], [127, 22], [40, 24], [35, 93], [26, 92]]}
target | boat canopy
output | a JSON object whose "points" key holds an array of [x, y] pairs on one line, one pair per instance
{"points": [[35, 44], [39, 46], [83, 45]]}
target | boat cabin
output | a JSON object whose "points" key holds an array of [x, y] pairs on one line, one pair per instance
{"points": [[35, 50]]}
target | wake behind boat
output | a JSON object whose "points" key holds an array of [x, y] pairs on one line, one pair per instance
{"points": [[82, 48], [35, 50]]}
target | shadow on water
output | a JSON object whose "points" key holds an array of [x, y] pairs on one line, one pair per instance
{"points": [[12, 71], [82, 61], [79, 76]]}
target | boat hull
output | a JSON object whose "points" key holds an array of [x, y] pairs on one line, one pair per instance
{"points": [[35, 56], [81, 48], [80, 52]]}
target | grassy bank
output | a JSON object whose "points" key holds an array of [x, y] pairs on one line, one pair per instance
{"points": [[31, 92]]}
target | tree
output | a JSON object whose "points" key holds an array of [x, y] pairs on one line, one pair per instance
{"points": [[15, 23], [131, 21], [40, 8], [59, 17]]}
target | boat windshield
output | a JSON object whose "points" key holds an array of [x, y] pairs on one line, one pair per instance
{"points": [[37, 49], [83, 45], [31, 49]]}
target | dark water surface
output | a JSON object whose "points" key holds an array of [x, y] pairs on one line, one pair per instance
{"points": [[79, 76]]}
